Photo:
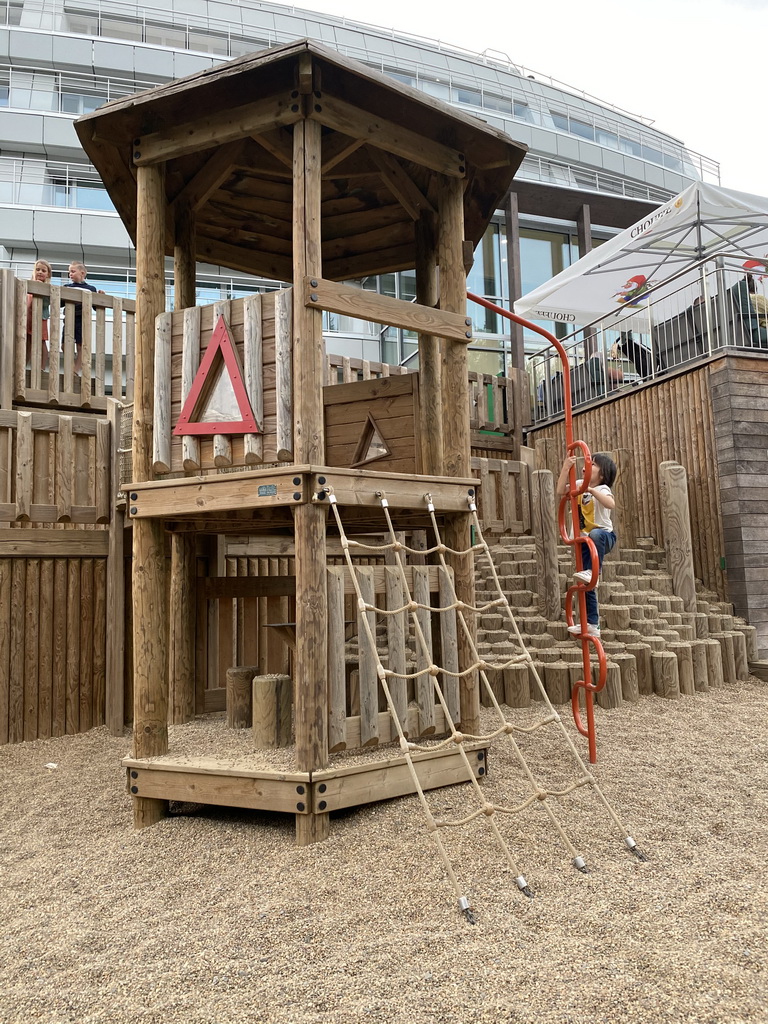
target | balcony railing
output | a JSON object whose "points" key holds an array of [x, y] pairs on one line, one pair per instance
{"points": [[681, 321], [64, 346]]}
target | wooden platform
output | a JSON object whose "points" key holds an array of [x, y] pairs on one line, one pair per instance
{"points": [[208, 781]]}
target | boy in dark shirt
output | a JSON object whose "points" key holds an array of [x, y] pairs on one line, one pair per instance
{"points": [[77, 276]]}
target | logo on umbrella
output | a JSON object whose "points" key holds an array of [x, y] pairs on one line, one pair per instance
{"points": [[630, 293]]}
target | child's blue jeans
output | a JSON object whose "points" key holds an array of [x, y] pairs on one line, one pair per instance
{"points": [[603, 541]]}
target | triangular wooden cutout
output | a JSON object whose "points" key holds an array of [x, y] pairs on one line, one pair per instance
{"points": [[372, 445], [217, 402]]}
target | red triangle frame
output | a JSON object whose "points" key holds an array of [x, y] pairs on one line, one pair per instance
{"points": [[221, 342]]}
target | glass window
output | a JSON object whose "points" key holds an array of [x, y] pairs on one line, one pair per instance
{"points": [[5, 79], [165, 35], [10, 13], [33, 90], [83, 24], [560, 121], [471, 96], [582, 129], [606, 138], [121, 28], [498, 103], [208, 42], [522, 111]]}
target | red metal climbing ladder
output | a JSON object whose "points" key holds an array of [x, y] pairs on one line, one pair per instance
{"points": [[571, 496]]}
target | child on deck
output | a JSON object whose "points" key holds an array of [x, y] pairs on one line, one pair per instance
{"points": [[595, 506]]}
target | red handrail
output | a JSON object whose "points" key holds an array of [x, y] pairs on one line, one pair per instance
{"points": [[571, 494]]}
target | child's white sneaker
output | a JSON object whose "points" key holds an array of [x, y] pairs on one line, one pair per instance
{"points": [[584, 576], [575, 630]]}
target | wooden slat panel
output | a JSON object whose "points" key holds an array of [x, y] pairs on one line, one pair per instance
{"points": [[16, 655], [337, 690], [31, 648], [86, 643], [284, 374], [161, 426], [25, 457], [59, 680], [368, 679], [425, 693], [6, 570], [253, 377], [396, 632], [72, 695], [449, 645]]}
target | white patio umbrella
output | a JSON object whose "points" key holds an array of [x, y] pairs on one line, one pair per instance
{"points": [[701, 221]]}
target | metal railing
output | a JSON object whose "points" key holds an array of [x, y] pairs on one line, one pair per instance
{"points": [[62, 92], [708, 306], [30, 181], [541, 168]]}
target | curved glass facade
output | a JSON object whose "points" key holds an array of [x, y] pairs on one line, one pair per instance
{"points": [[62, 59]]}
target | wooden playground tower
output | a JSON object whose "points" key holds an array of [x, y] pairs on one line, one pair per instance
{"points": [[299, 165]]}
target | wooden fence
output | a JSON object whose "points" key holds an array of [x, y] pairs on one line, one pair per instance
{"points": [[494, 402], [670, 419], [34, 372]]}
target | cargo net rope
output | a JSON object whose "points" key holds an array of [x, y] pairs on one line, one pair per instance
{"points": [[484, 810]]}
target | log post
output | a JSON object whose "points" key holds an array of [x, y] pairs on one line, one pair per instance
{"points": [[240, 710], [456, 434], [430, 371], [666, 682], [546, 535], [699, 658], [272, 710], [115, 668], [611, 694], [182, 617], [150, 626], [673, 487], [184, 265], [311, 668]]}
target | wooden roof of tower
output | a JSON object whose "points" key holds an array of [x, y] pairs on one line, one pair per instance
{"points": [[224, 137]]}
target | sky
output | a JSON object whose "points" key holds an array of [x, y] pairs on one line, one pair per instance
{"points": [[692, 66]]}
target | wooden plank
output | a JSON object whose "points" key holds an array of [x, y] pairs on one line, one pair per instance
{"points": [[208, 178], [350, 119], [337, 694], [367, 305], [368, 678], [206, 132], [53, 543], [100, 361], [284, 374], [20, 339], [396, 649], [102, 470], [393, 778], [425, 694], [31, 648], [253, 376], [99, 633], [64, 470], [401, 184], [25, 458], [7, 318], [190, 363], [130, 353], [449, 658], [6, 572], [259, 793], [86, 348], [73, 647], [59, 654], [161, 427], [17, 651], [86, 644]]}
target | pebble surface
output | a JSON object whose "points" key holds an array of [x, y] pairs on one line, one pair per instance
{"points": [[215, 917]]}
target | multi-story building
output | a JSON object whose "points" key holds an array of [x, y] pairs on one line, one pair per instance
{"points": [[591, 168]]}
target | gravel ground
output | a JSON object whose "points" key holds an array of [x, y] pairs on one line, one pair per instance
{"points": [[215, 917]]}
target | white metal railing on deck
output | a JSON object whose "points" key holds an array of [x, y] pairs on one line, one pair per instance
{"points": [[681, 321]]}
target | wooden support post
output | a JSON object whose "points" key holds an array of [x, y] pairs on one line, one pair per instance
{"points": [[699, 658], [311, 702], [430, 371], [456, 436], [240, 708], [673, 487], [115, 681], [150, 627], [7, 323], [184, 266], [272, 710], [546, 535], [182, 618]]}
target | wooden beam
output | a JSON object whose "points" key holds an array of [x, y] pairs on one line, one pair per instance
{"points": [[382, 309], [400, 184], [209, 177], [279, 144], [184, 264], [430, 348], [453, 297], [337, 148], [309, 445], [54, 543], [216, 129], [150, 683], [349, 119], [241, 257]]}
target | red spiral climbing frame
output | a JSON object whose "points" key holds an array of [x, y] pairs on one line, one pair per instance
{"points": [[571, 497]]}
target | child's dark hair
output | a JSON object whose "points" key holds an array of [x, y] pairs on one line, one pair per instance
{"points": [[607, 468]]}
